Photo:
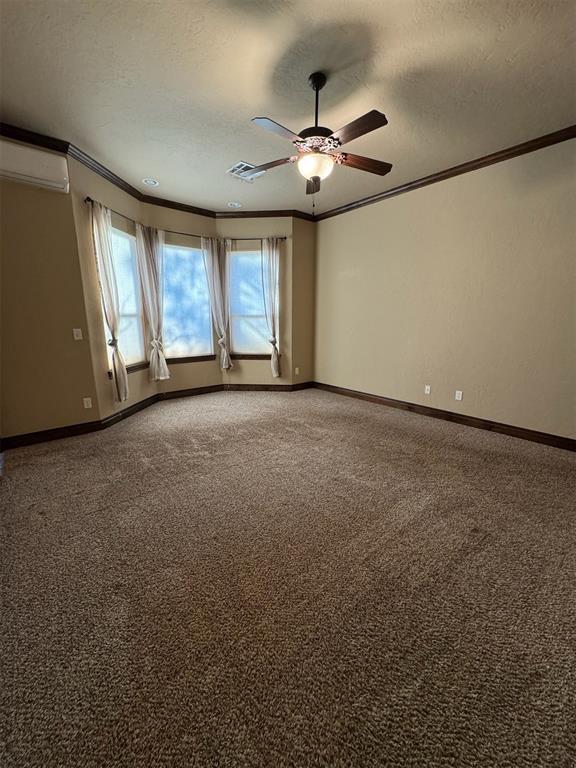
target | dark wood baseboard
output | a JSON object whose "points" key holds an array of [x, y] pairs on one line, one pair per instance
{"points": [[72, 430], [566, 443]]}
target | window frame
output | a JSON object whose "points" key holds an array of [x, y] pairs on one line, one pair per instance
{"points": [[192, 243], [244, 248], [123, 231]]}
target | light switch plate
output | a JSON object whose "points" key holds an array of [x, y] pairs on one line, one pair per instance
{"points": [[77, 333]]}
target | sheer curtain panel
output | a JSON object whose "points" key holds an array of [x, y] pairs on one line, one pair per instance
{"points": [[270, 279], [149, 243], [101, 235], [216, 260]]}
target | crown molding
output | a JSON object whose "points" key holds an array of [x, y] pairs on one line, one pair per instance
{"points": [[66, 148], [457, 170]]}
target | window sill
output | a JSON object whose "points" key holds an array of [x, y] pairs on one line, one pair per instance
{"points": [[249, 357], [133, 368], [196, 359], [170, 360]]}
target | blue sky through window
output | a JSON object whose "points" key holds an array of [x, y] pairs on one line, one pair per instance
{"points": [[187, 320]]}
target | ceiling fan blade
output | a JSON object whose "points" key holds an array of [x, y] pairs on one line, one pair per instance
{"points": [[368, 122], [266, 166], [280, 130], [366, 164], [313, 185]]}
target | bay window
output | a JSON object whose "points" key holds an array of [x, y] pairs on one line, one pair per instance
{"points": [[130, 329], [187, 321], [248, 327]]}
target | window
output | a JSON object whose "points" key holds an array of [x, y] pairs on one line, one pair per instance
{"points": [[130, 332], [187, 320], [249, 331]]}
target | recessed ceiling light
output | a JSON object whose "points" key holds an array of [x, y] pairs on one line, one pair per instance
{"points": [[234, 204], [150, 182]]}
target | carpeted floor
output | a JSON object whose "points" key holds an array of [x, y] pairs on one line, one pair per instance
{"points": [[265, 579]]}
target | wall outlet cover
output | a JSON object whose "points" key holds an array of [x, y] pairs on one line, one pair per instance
{"points": [[458, 395], [427, 389], [77, 333], [87, 401]]}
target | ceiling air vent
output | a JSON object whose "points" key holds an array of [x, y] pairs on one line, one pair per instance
{"points": [[242, 167]]}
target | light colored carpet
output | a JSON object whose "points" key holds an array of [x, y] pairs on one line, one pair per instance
{"points": [[300, 579]]}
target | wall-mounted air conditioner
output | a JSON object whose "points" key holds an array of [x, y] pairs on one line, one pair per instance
{"points": [[19, 162]]}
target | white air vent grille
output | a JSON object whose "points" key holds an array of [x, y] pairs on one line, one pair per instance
{"points": [[242, 167]]}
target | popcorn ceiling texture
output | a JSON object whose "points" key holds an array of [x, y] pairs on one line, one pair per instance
{"points": [[267, 579], [167, 89]]}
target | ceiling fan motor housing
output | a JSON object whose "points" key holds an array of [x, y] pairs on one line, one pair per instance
{"points": [[315, 130]]}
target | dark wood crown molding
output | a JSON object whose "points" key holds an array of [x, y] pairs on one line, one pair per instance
{"points": [[71, 150], [472, 165], [66, 148]]}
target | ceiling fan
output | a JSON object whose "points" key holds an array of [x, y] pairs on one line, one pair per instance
{"points": [[318, 148]]}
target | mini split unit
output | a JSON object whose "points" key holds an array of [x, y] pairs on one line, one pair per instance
{"points": [[33, 166]]}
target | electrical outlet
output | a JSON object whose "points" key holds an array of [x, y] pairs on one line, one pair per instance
{"points": [[427, 389], [296, 371], [77, 333], [458, 395], [87, 401]]}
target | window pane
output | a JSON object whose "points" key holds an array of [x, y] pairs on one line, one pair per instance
{"points": [[187, 320], [246, 284], [130, 337], [247, 318], [130, 333], [250, 335]]}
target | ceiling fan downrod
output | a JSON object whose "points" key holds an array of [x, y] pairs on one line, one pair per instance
{"points": [[317, 81]]}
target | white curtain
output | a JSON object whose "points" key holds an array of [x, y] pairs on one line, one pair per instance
{"points": [[101, 234], [270, 275], [216, 263], [149, 242]]}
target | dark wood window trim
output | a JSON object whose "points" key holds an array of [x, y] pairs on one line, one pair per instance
{"points": [[133, 368], [235, 356], [195, 359], [170, 360]]}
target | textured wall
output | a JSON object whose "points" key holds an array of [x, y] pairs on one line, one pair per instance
{"points": [[50, 285], [468, 284], [45, 373]]}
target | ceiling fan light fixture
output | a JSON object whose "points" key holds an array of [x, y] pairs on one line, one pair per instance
{"points": [[317, 164]]}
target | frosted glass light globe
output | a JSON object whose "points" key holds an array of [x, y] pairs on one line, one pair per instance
{"points": [[315, 164]]}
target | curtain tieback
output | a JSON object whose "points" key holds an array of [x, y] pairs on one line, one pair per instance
{"points": [[156, 344], [222, 342], [273, 341], [113, 343]]}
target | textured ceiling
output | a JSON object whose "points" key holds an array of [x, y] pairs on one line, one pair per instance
{"points": [[166, 88]]}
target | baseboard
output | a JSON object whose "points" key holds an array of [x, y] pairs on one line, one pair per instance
{"points": [[566, 443], [71, 430]]}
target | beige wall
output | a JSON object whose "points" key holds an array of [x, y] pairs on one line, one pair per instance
{"points": [[467, 284], [85, 183], [303, 297], [50, 285], [45, 373]]}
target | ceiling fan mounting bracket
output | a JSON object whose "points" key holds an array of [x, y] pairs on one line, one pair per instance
{"points": [[317, 81]]}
